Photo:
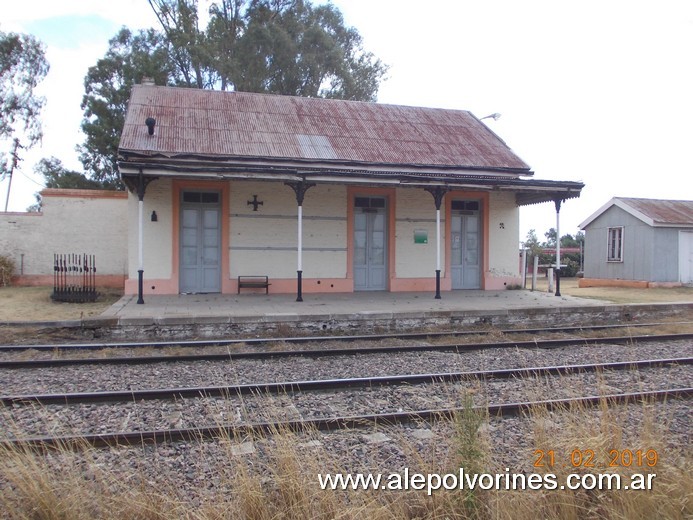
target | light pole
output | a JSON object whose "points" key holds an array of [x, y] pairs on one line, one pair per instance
{"points": [[15, 160]]}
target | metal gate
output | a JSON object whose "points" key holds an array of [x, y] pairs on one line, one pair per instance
{"points": [[74, 278]]}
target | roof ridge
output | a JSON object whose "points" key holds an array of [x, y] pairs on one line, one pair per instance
{"points": [[301, 98]]}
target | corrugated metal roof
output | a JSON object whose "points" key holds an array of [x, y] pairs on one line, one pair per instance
{"points": [[663, 212], [654, 212], [239, 124]]}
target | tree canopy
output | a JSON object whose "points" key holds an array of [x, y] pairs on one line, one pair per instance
{"points": [[285, 47], [22, 67], [107, 87], [56, 175], [571, 261], [296, 49]]}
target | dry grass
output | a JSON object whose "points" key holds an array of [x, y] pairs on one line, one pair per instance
{"points": [[278, 480], [569, 287], [35, 304]]}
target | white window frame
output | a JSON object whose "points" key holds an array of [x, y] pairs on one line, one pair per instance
{"points": [[618, 254]]}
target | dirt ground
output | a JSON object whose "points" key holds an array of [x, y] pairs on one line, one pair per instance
{"points": [[569, 287], [34, 303]]}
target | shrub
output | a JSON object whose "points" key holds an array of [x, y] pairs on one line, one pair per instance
{"points": [[6, 270]]}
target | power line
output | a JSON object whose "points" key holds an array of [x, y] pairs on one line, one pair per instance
{"points": [[32, 180]]}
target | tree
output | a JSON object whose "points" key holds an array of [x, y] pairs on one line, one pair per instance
{"points": [[22, 66], [293, 48], [189, 52], [550, 238], [275, 46], [532, 243], [55, 175], [570, 260], [107, 86], [225, 27]]}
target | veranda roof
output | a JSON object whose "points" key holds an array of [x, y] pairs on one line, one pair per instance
{"points": [[203, 133]]}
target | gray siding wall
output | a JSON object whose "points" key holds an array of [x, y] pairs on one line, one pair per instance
{"points": [[649, 253], [665, 265]]}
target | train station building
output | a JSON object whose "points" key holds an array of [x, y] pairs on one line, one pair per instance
{"points": [[232, 191]]}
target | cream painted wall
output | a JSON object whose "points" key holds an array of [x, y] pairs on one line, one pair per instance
{"points": [[415, 209], [68, 223], [158, 246], [503, 240], [264, 242]]}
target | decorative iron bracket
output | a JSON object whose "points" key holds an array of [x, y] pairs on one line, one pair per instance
{"points": [[300, 188], [138, 185], [438, 193]]}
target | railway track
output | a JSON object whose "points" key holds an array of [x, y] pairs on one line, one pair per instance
{"points": [[330, 424], [327, 402], [315, 352], [269, 341], [326, 384], [327, 423]]}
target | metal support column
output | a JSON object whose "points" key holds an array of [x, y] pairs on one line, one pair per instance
{"points": [[558, 202], [138, 185], [300, 189], [438, 193], [140, 237]]}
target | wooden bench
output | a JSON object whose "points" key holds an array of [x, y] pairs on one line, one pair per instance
{"points": [[253, 282]]}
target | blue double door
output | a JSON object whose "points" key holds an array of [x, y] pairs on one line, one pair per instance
{"points": [[465, 247], [370, 244], [200, 242]]}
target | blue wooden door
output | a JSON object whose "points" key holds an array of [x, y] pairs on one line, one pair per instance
{"points": [[200, 243], [370, 244]]}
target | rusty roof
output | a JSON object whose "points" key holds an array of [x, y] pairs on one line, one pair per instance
{"points": [[663, 212], [655, 212], [217, 125]]}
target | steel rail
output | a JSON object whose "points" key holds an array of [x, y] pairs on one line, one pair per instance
{"points": [[332, 423], [307, 339], [348, 351], [286, 387]]}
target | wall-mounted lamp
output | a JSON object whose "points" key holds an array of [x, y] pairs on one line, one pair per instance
{"points": [[150, 122], [155, 217]]}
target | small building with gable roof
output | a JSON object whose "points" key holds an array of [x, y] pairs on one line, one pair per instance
{"points": [[318, 195], [639, 242]]}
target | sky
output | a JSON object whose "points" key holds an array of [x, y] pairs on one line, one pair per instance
{"points": [[597, 91]]}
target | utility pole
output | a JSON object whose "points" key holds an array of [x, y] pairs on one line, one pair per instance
{"points": [[15, 160]]}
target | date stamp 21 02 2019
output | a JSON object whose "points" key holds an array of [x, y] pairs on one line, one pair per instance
{"points": [[587, 458]]}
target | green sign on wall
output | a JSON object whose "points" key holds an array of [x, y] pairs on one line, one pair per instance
{"points": [[420, 236]]}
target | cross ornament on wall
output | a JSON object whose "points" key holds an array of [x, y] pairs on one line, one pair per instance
{"points": [[255, 203]]}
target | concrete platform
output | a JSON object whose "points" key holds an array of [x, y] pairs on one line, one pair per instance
{"points": [[255, 315], [216, 315], [210, 308]]}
